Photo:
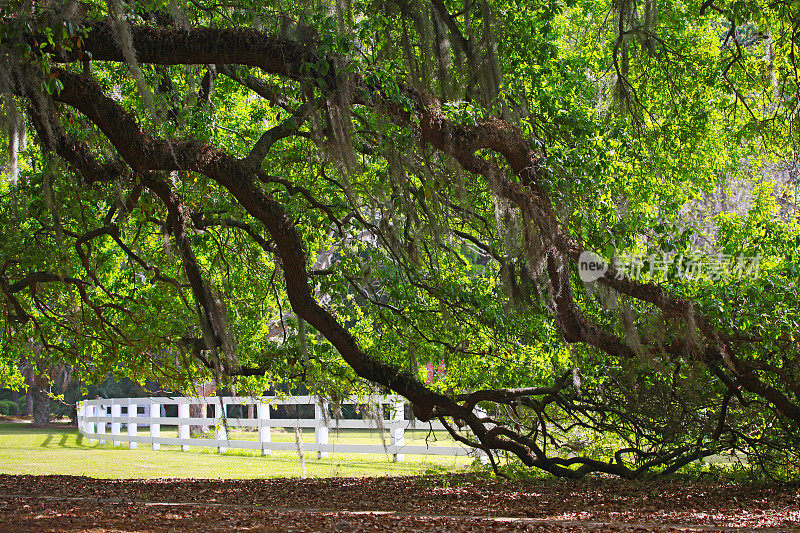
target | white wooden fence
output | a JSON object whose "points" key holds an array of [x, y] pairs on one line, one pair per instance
{"points": [[96, 416]]}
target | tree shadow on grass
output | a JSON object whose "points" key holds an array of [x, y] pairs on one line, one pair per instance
{"points": [[63, 441]]}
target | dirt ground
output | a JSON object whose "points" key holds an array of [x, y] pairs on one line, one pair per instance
{"points": [[457, 503]]}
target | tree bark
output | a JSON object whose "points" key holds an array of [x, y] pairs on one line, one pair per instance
{"points": [[41, 406], [197, 410]]}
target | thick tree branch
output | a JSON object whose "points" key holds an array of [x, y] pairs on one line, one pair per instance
{"points": [[146, 154]]}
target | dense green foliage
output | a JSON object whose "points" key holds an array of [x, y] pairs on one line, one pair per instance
{"points": [[661, 134]]}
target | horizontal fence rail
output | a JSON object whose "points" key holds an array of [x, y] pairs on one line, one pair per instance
{"points": [[96, 416]]}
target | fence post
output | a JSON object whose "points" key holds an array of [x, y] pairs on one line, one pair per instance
{"points": [[320, 429], [89, 425], [264, 433], [183, 422], [132, 425], [397, 434], [101, 423], [116, 414], [219, 423], [155, 427]]}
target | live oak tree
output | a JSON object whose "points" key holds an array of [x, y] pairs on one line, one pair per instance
{"points": [[398, 193]]}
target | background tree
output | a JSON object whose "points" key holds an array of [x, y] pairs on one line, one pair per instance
{"points": [[446, 163]]}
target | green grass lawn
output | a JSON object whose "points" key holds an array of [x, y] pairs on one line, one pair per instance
{"points": [[27, 450]]}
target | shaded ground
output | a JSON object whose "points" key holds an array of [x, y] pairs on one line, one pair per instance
{"points": [[422, 503]]}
